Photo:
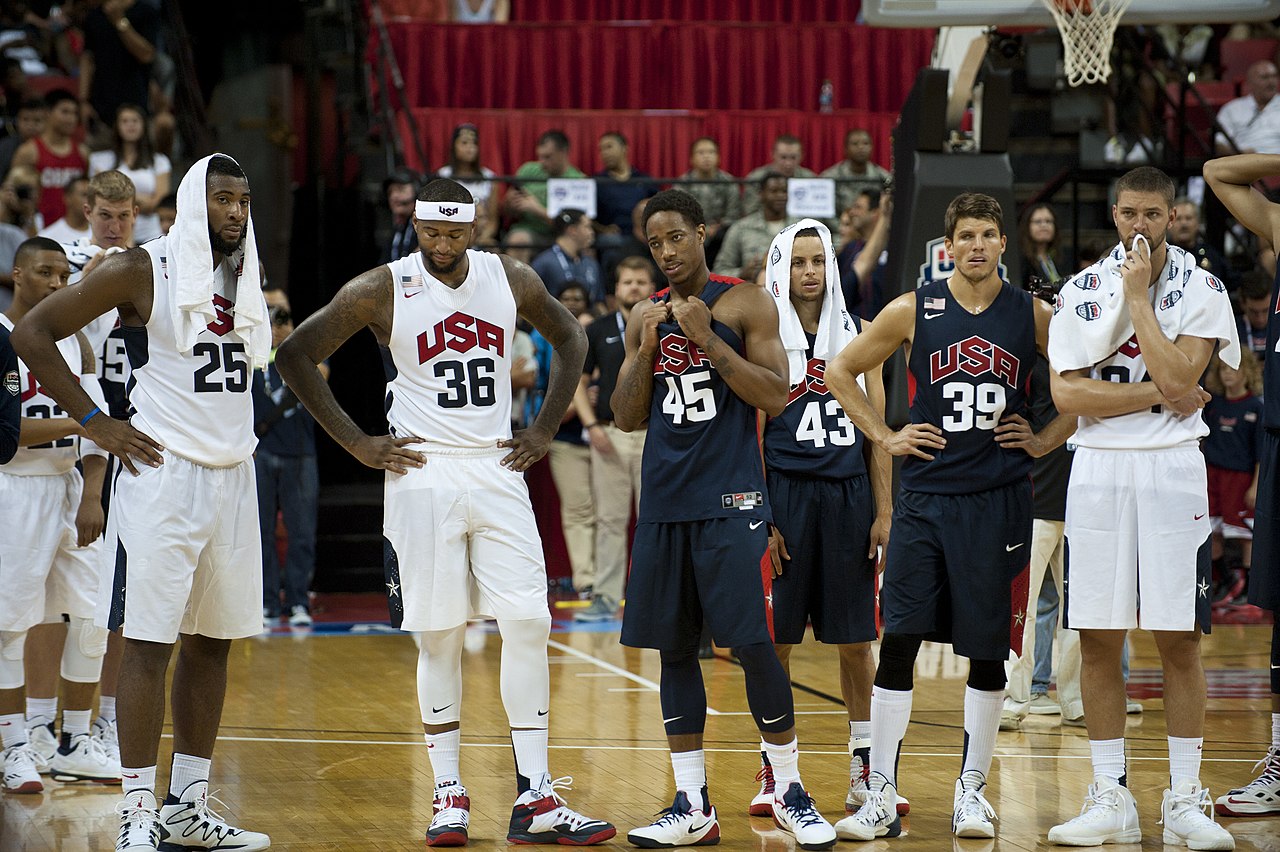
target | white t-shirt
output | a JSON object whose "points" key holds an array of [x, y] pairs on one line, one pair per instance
{"points": [[62, 232], [144, 182], [480, 189], [1250, 126]]}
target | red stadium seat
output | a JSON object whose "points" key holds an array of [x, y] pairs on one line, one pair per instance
{"points": [[1238, 55]]}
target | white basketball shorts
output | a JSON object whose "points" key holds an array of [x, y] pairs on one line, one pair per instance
{"points": [[42, 572], [1138, 540], [461, 542], [183, 553]]}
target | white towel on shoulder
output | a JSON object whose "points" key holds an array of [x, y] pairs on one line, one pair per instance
{"points": [[835, 326], [191, 270], [1091, 320]]}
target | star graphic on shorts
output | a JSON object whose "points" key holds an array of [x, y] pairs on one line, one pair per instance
{"points": [[1204, 589], [393, 589], [768, 601], [1019, 618]]}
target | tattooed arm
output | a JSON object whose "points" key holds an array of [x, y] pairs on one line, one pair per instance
{"points": [[569, 344], [634, 391], [365, 301]]}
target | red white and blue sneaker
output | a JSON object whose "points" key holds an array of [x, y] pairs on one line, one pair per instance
{"points": [[679, 825], [19, 769], [541, 816], [451, 814], [859, 773], [1259, 797], [139, 823], [878, 816], [795, 813], [762, 803], [187, 822]]}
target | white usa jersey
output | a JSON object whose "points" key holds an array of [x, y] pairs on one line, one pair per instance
{"points": [[450, 375], [55, 457], [196, 404]]}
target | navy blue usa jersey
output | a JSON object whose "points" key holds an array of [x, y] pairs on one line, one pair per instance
{"points": [[812, 438], [1271, 378], [701, 456], [1234, 431], [966, 372]]}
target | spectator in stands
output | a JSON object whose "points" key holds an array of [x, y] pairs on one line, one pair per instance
{"points": [[15, 90], [115, 67], [288, 483], [480, 11], [520, 245], [1184, 232], [721, 199], [74, 225], [856, 171], [621, 189], [1255, 303], [615, 455], [401, 190], [167, 212], [787, 154], [528, 199], [133, 154], [567, 259], [863, 283], [54, 155], [18, 195], [28, 125], [747, 242], [1253, 121], [464, 167], [1038, 242]]}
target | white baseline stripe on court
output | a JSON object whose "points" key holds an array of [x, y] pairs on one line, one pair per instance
{"points": [[618, 670]]}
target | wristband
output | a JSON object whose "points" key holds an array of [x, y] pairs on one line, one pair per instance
{"points": [[89, 416]]}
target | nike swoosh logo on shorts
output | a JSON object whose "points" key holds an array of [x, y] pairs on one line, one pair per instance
{"points": [[928, 315], [1010, 548], [441, 709], [771, 721], [1199, 516], [542, 712], [694, 829], [755, 525], [672, 719]]}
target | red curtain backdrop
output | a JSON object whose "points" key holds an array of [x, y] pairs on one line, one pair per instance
{"points": [[781, 11], [659, 141], [665, 65]]}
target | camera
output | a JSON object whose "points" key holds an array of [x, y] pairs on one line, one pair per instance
{"points": [[24, 192]]}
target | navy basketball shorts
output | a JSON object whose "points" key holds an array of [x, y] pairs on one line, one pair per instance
{"points": [[1264, 574], [826, 525], [952, 563], [685, 573]]}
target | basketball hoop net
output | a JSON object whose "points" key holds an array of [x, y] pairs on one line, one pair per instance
{"points": [[1087, 28]]}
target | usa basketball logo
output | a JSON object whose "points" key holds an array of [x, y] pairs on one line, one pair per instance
{"points": [[1089, 310], [1170, 300], [11, 383], [1215, 283], [776, 256], [448, 211], [1058, 302], [1089, 282], [676, 354]]}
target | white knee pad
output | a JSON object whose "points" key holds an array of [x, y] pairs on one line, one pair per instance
{"points": [[440, 675], [525, 680], [11, 645], [83, 651]]}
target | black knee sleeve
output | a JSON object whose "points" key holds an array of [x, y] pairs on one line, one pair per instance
{"points": [[1275, 656], [898, 661], [768, 689], [987, 675], [683, 696]]}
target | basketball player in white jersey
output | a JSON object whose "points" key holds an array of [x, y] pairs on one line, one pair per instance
{"points": [[183, 554], [52, 517], [457, 511]]}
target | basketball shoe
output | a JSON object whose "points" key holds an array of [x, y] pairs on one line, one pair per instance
{"points": [[45, 745], [972, 814], [541, 816], [859, 772], [795, 813], [878, 816], [187, 822], [20, 775], [139, 826], [1187, 814], [451, 814], [82, 758], [108, 737], [762, 803], [679, 825], [1109, 815], [1260, 796]]}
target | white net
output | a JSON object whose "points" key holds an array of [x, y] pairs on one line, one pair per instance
{"points": [[1087, 28]]}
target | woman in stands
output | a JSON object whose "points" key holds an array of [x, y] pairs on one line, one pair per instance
{"points": [[464, 167], [133, 153]]}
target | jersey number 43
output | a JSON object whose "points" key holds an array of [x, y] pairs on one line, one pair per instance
{"points": [[813, 428]]}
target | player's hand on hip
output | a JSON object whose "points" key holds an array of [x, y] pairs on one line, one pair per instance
{"points": [[1014, 433], [124, 442], [89, 522], [382, 452], [915, 439], [880, 540], [527, 446], [1189, 404], [694, 317], [777, 550]]}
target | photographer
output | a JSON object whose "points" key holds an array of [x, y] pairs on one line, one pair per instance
{"points": [[19, 195]]}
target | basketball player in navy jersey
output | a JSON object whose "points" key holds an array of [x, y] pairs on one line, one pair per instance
{"points": [[962, 522], [702, 357], [457, 512], [1231, 179]]}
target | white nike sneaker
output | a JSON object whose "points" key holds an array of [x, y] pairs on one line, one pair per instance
{"points": [[139, 828], [1109, 815], [44, 744], [108, 736], [972, 815], [795, 813], [450, 817], [187, 822], [84, 760], [762, 802], [1187, 815], [1259, 797], [543, 816], [878, 816], [678, 825], [20, 775]]}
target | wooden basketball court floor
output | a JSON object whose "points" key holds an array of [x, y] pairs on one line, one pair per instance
{"points": [[321, 747]]}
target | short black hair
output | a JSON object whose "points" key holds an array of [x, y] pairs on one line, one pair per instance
{"points": [[566, 219], [575, 285], [807, 232], [676, 201], [33, 105], [873, 197], [170, 201], [556, 137], [56, 96], [33, 245], [622, 140], [75, 179], [1255, 284], [446, 190], [220, 164], [400, 177], [764, 181]]}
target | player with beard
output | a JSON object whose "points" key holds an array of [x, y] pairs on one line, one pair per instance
{"points": [[457, 514], [183, 551]]}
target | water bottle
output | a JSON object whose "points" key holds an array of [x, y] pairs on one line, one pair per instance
{"points": [[826, 96]]}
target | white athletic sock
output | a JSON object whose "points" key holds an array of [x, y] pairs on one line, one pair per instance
{"points": [[1108, 758], [442, 751], [1275, 730], [981, 721], [75, 722], [13, 730], [1184, 760], [107, 708], [859, 730], [690, 771], [138, 779], [186, 770], [785, 760], [890, 714], [42, 710], [531, 756]]}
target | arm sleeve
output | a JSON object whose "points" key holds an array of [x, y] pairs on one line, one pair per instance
{"points": [[10, 401]]}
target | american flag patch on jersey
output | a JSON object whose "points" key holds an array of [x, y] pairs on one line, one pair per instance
{"points": [[934, 303], [411, 282]]}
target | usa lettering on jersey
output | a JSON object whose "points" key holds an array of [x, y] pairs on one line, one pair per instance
{"points": [[975, 356], [459, 333], [678, 354], [686, 371]]}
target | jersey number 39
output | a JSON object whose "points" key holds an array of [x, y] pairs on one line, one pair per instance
{"points": [[973, 406]]}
